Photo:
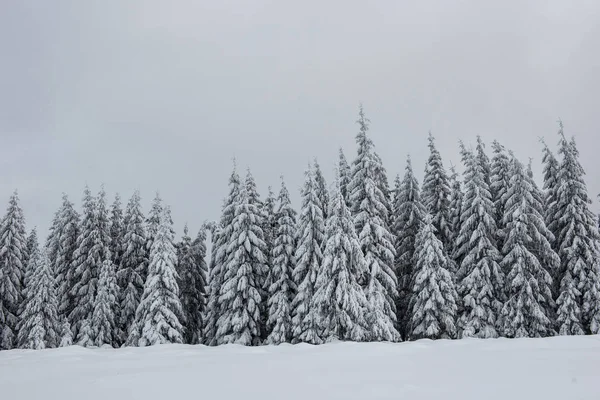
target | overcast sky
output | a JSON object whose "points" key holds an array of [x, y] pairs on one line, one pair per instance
{"points": [[160, 95]]}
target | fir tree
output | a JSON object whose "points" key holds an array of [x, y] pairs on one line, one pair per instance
{"points": [[66, 233], [192, 281], [219, 254], [133, 265], [153, 222], [578, 247], [159, 313], [240, 293], [529, 294], [455, 204], [484, 161], [12, 270], [436, 194], [39, 326], [434, 298], [345, 176], [66, 334], [370, 205], [339, 304], [282, 286], [481, 281], [308, 257], [321, 187], [198, 250], [408, 215], [500, 177], [30, 245], [104, 318], [269, 231], [92, 250], [117, 231], [551, 184]]}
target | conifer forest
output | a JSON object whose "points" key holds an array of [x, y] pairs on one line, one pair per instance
{"points": [[482, 250]]}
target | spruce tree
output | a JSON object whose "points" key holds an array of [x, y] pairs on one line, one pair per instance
{"points": [[345, 176], [219, 254], [500, 177], [66, 335], [153, 223], [321, 187], [117, 231], [282, 288], [192, 281], [408, 215], [39, 326], [104, 323], [578, 247], [198, 251], [159, 313], [455, 204], [269, 231], [529, 294], [551, 184], [480, 277], [308, 257], [339, 305], [92, 250], [433, 302], [133, 265], [240, 293], [484, 161], [12, 250], [382, 182], [436, 194], [30, 245], [66, 233]]}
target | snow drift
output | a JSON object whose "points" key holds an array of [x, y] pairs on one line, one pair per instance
{"points": [[554, 368]]}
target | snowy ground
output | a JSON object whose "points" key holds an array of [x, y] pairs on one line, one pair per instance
{"points": [[565, 368]]}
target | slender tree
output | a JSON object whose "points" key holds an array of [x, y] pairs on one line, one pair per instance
{"points": [[321, 187], [339, 304], [104, 327], [408, 215], [436, 194], [282, 288], [117, 231], [240, 293], [500, 178], [455, 204], [481, 279], [309, 256], [153, 222], [12, 270], [345, 176], [159, 313], [39, 325], [529, 294], [433, 302], [133, 266]]}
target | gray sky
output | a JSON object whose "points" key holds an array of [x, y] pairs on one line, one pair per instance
{"points": [[161, 95]]}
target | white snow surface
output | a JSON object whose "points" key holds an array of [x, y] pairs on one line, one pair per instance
{"points": [[554, 368]]}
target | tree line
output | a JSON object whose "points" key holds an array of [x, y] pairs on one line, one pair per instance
{"points": [[492, 254]]}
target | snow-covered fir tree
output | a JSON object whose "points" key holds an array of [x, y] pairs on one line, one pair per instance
{"points": [[481, 281], [455, 204], [159, 314], [240, 294], [93, 248], [191, 269], [30, 245], [12, 249], [117, 231], [153, 222], [309, 256], [39, 326], [201, 280], [219, 254], [282, 287], [339, 305], [435, 194], [370, 206], [61, 262], [345, 176], [551, 184], [499, 181], [66, 335], [133, 265], [408, 215], [383, 184], [528, 283], [484, 161], [269, 232], [321, 187], [434, 299], [578, 247], [104, 323]]}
